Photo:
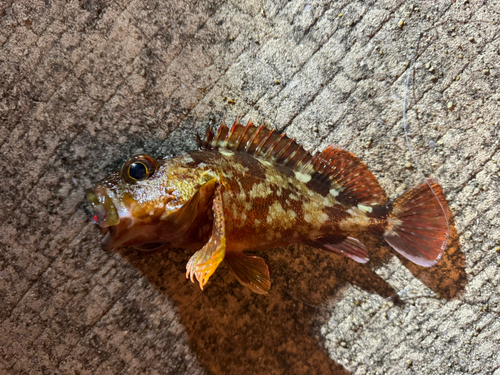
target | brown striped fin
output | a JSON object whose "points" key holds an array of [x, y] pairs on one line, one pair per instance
{"points": [[333, 168]]}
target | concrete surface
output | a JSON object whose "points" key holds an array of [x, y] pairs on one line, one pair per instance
{"points": [[86, 84]]}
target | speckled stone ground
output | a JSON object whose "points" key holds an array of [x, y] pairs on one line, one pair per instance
{"points": [[86, 84]]}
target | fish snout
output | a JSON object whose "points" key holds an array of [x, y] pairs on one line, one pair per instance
{"points": [[103, 211]]}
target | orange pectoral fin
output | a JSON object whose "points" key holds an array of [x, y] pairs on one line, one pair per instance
{"points": [[251, 271], [205, 261]]}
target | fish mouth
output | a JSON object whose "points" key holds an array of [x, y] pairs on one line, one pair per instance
{"points": [[117, 224], [104, 210], [118, 228], [103, 213]]}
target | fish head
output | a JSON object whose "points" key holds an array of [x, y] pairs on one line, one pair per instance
{"points": [[128, 206]]}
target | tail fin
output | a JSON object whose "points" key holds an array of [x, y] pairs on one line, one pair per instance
{"points": [[417, 227]]}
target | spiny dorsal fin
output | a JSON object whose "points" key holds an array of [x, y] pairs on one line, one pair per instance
{"points": [[257, 141], [332, 168]]}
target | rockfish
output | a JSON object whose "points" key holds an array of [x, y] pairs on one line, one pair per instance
{"points": [[250, 188]]}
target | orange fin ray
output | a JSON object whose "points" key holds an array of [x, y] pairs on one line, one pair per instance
{"points": [[332, 168], [342, 245], [418, 224], [205, 261], [251, 271]]}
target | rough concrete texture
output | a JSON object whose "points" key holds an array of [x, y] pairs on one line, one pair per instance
{"points": [[86, 84]]}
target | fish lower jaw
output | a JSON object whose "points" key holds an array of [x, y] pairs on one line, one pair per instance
{"points": [[106, 243], [131, 232]]}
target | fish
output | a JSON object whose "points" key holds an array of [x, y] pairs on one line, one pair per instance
{"points": [[250, 188]]}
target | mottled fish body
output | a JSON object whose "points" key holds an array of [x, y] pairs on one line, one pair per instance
{"points": [[250, 188]]}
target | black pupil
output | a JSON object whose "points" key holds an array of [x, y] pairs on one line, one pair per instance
{"points": [[138, 171]]}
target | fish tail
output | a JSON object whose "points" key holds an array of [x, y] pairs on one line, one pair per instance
{"points": [[417, 226]]}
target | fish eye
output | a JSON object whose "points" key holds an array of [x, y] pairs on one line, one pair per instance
{"points": [[138, 168]]}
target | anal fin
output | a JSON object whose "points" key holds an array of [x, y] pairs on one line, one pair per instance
{"points": [[251, 271], [343, 245], [205, 261]]}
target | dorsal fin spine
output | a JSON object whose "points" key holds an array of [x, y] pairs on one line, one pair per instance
{"points": [[262, 143], [204, 144], [233, 128], [273, 146], [242, 135], [252, 139], [209, 133], [285, 148], [299, 162], [219, 132], [292, 155], [309, 166]]}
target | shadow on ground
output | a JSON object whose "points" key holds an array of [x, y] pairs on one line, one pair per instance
{"points": [[231, 328]]}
